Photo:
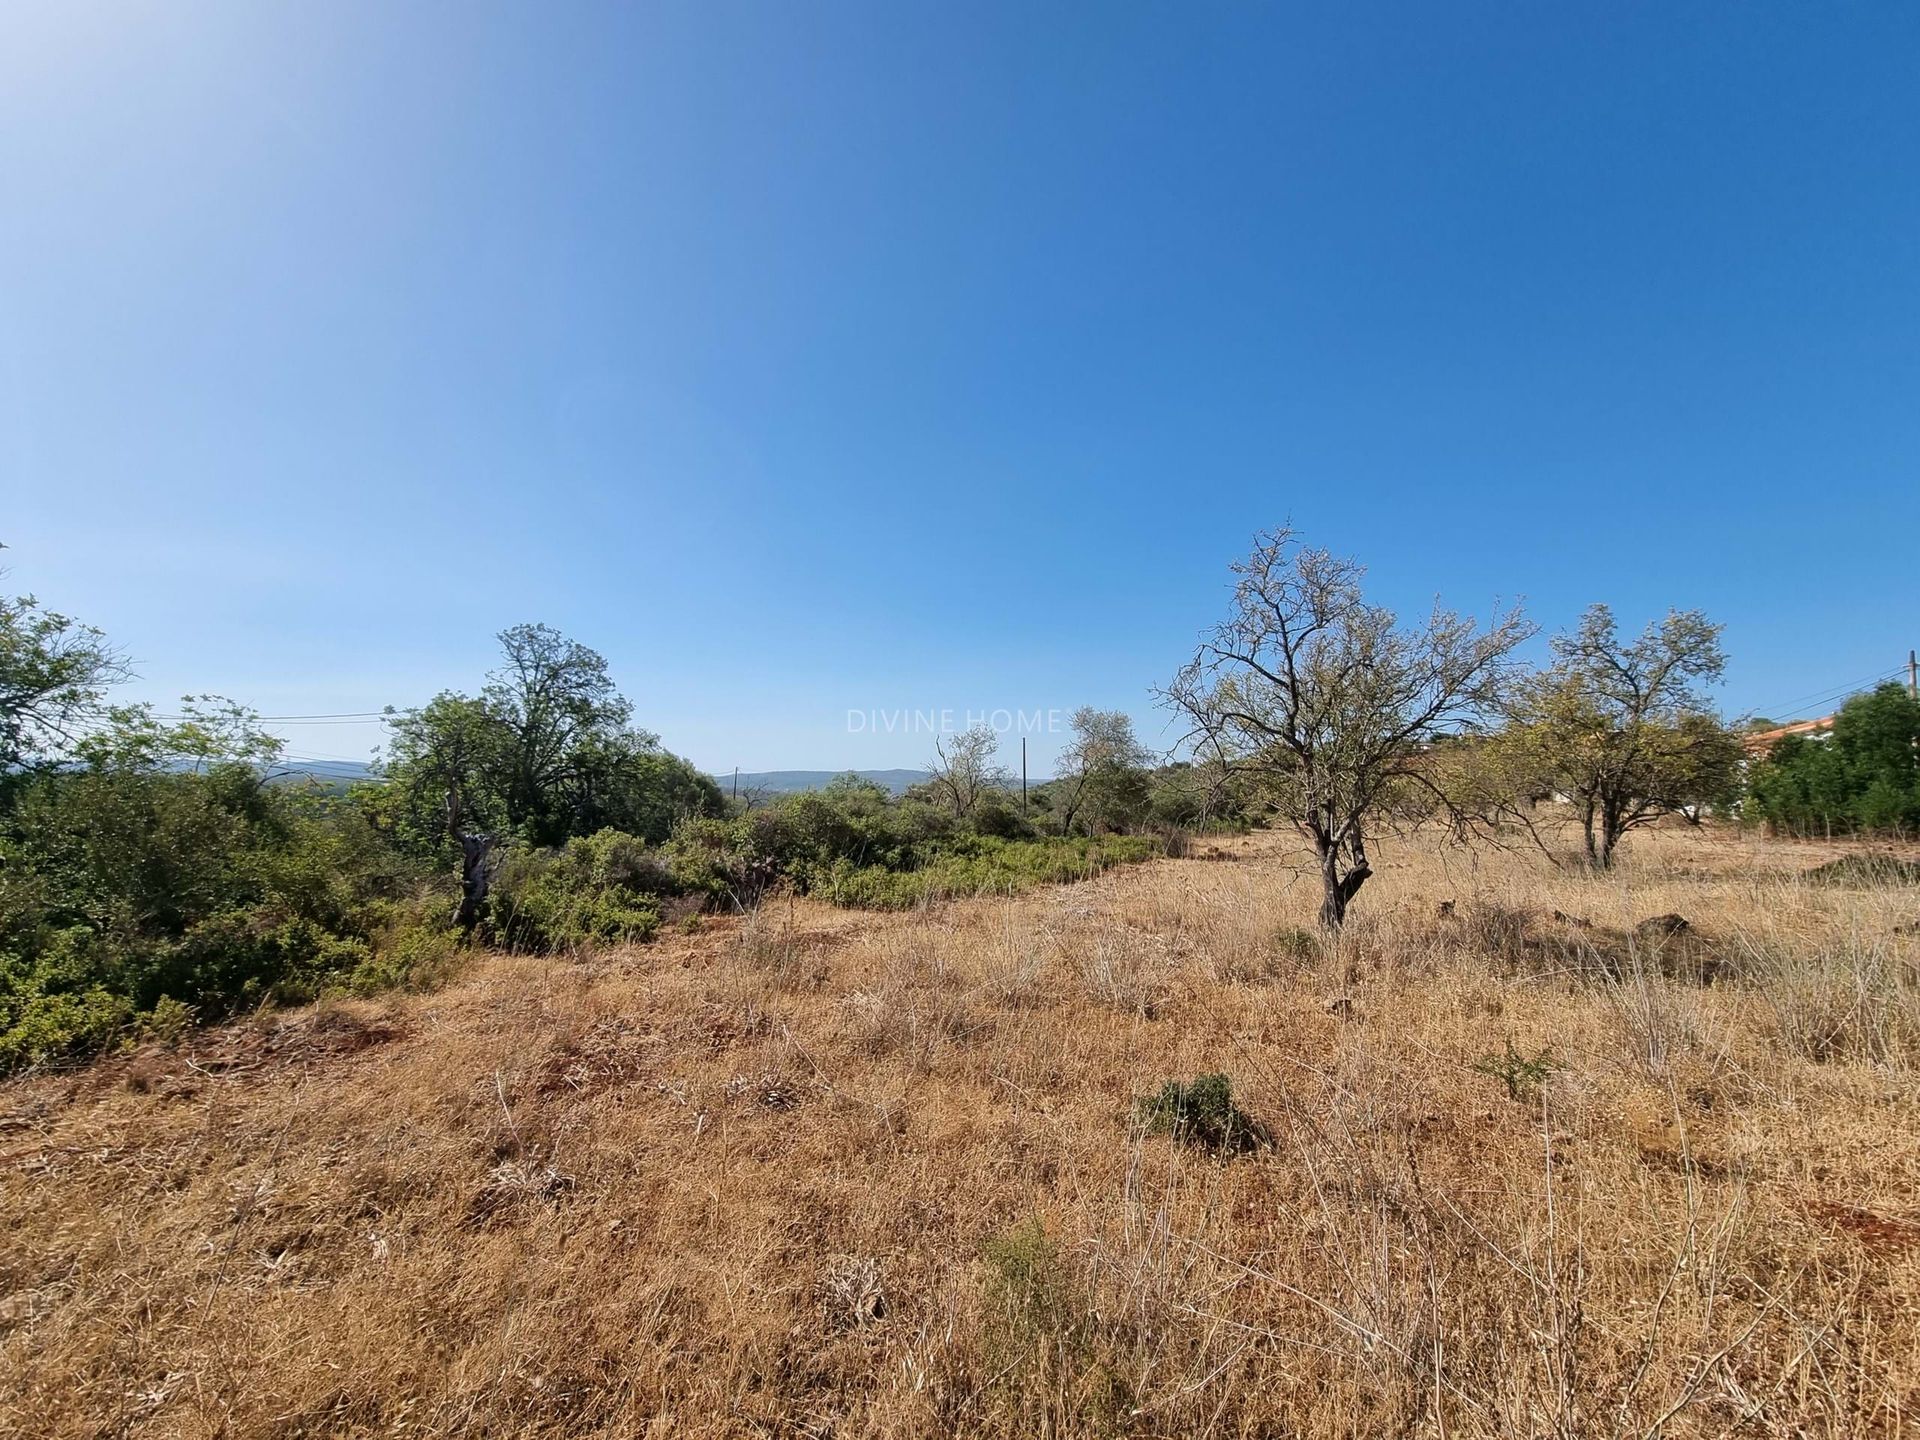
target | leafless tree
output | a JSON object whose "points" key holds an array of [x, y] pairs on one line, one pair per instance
{"points": [[1329, 706]]}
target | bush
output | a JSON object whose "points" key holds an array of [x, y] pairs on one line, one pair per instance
{"points": [[1202, 1113], [731, 863], [1522, 1077], [1030, 1283], [595, 890], [413, 951], [1864, 777], [54, 1003], [1043, 1338], [128, 893], [979, 865]]}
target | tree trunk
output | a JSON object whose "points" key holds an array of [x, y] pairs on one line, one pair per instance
{"points": [[473, 865], [1338, 889], [1612, 827], [473, 879]]}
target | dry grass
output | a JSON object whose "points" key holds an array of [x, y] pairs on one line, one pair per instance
{"points": [[828, 1173]]}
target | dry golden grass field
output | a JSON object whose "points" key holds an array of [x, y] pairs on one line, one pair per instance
{"points": [[829, 1173]]}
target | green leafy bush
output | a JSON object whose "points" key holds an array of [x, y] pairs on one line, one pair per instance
{"points": [[595, 890], [1865, 776], [1202, 1113], [979, 865], [128, 891]]}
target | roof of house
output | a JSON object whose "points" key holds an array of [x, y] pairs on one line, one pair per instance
{"points": [[1763, 739]]}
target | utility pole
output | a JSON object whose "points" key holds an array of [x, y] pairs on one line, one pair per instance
{"points": [[1913, 676], [1023, 774], [736, 784]]}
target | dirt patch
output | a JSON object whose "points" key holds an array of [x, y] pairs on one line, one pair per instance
{"points": [[1878, 1234]]}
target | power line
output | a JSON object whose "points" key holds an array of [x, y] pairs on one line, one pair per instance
{"points": [[1822, 697], [359, 717]]}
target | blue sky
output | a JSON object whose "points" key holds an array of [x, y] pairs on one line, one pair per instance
{"points": [[807, 358]]}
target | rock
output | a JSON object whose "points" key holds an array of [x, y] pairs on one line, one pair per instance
{"points": [[1661, 927]]}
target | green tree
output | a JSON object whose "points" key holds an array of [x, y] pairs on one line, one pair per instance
{"points": [[54, 675], [1622, 729], [545, 752], [1101, 780], [160, 867], [1864, 776]]}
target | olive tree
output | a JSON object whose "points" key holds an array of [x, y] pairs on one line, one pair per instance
{"points": [[1329, 705], [1101, 775], [963, 768]]}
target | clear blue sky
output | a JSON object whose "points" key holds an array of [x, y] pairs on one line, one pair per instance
{"points": [[807, 358]]}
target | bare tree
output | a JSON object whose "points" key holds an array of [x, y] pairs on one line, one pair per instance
{"points": [[963, 768], [1329, 706]]}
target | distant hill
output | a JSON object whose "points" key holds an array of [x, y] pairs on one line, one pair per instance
{"points": [[341, 773], [784, 782], [326, 772]]}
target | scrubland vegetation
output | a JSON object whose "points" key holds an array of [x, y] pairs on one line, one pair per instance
{"points": [[1524, 1167], [161, 870], [1439, 1046]]}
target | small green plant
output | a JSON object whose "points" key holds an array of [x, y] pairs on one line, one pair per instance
{"points": [[1298, 945], [1028, 1282], [1043, 1336], [166, 1022], [1522, 1077], [1202, 1113]]}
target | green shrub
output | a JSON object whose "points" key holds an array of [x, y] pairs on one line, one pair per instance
{"points": [[966, 865], [1865, 776], [1299, 945], [730, 863], [129, 897], [54, 1003], [1044, 1340], [1202, 1113], [1522, 1077], [1029, 1283], [595, 890], [414, 950]]}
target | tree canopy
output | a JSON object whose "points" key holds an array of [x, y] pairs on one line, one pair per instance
{"points": [[1622, 729], [1865, 776], [1328, 704], [544, 752]]}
